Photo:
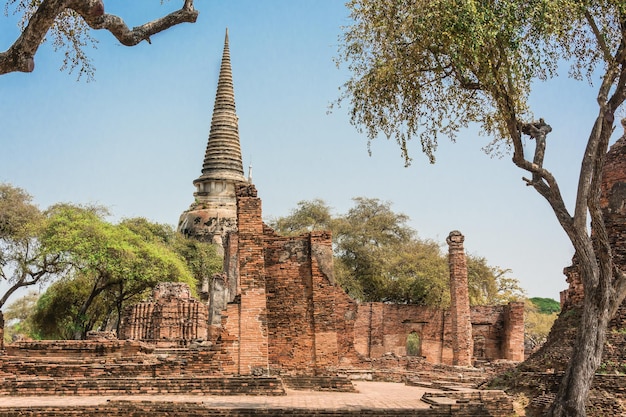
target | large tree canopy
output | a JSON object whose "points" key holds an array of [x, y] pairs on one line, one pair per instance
{"points": [[423, 69], [110, 265], [68, 23]]}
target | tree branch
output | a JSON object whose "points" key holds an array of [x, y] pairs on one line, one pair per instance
{"points": [[119, 29], [20, 57], [599, 38]]}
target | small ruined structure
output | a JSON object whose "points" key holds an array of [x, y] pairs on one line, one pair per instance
{"points": [[213, 213], [171, 318]]}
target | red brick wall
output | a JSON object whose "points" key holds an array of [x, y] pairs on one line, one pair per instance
{"points": [[253, 332], [290, 305], [324, 322], [513, 348], [384, 328]]}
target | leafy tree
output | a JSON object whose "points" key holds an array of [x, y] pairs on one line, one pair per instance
{"points": [[201, 258], [68, 23], [537, 323], [365, 239], [113, 264], [18, 317], [23, 260], [57, 314], [426, 69], [308, 216], [416, 272], [489, 285]]}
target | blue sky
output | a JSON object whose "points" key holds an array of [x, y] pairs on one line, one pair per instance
{"points": [[133, 139]]}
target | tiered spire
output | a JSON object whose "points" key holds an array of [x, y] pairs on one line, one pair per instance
{"points": [[222, 159]]}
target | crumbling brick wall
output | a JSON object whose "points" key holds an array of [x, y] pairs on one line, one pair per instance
{"points": [[382, 329], [294, 318], [288, 305]]}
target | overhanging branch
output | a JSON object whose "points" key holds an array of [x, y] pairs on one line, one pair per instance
{"points": [[20, 57]]}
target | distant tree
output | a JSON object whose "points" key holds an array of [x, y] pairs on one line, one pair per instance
{"points": [[416, 272], [68, 23], [546, 305], [425, 69], [378, 256], [364, 239], [17, 316], [113, 264], [489, 285], [537, 323], [308, 216], [23, 260]]}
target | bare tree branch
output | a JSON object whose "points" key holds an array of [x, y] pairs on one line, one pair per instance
{"points": [[21, 55]]}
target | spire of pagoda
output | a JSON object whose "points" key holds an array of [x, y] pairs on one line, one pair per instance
{"points": [[222, 159]]}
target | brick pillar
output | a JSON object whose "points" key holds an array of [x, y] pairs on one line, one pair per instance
{"points": [[253, 335], [514, 332], [459, 301]]}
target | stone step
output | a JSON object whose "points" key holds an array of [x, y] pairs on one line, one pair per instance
{"points": [[196, 385]]}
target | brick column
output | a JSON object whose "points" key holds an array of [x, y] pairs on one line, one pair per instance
{"points": [[253, 335], [514, 332], [459, 301]]}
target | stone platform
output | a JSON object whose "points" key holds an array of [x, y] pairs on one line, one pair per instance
{"points": [[371, 399]]}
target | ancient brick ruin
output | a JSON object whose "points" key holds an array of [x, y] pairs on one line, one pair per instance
{"points": [[289, 317], [274, 318]]}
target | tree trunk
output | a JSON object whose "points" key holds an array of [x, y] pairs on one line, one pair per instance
{"points": [[586, 355]]}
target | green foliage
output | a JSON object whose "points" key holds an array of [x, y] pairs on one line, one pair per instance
{"points": [[58, 312], [490, 285], [17, 317], [537, 324], [308, 216], [100, 267], [18, 215], [422, 70], [23, 260], [201, 258], [546, 305], [378, 257], [413, 344], [110, 266]]}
